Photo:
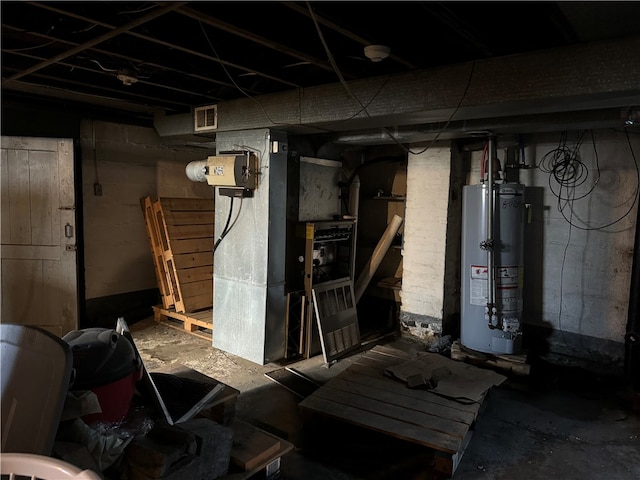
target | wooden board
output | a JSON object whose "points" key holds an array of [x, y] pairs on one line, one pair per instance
{"points": [[516, 364], [251, 446], [365, 396], [265, 466], [199, 323]]}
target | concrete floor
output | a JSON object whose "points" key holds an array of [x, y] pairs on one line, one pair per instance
{"points": [[556, 423]]}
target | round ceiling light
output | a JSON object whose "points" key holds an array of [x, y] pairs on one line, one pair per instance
{"points": [[376, 53], [126, 78]]}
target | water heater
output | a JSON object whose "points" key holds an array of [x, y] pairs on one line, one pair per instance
{"points": [[493, 217]]}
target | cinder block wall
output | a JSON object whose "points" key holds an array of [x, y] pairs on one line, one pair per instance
{"points": [[424, 247], [129, 162]]}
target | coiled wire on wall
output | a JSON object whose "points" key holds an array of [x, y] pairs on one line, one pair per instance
{"points": [[565, 167]]}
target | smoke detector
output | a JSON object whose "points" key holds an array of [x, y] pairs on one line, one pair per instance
{"points": [[376, 53]]}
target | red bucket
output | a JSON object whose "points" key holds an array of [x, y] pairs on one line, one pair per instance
{"points": [[106, 363]]}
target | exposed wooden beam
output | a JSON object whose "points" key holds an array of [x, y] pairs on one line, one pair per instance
{"points": [[167, 44], [97, 40], [214, 59], [157, 101], [129, 58], [110, 103], [102, 72], [265, 42], [442, 13]]}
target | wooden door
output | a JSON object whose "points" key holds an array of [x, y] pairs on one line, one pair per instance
{"points": [[38, 273]]}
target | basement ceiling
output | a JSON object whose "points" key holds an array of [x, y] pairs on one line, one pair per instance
{"points": [[143, 58]]}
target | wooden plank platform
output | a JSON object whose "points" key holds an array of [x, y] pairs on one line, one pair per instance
{"points": [[366, 396], [198, 323], [516, 364]]}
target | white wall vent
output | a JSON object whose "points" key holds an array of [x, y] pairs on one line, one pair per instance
{"points": [[206, 118]]}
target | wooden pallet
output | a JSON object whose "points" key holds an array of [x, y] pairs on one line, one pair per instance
{"points": [[181, 236], [516, 364], [154, 234], [198, 323], [363, 395]]}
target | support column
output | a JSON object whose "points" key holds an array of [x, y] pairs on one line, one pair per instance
{"points": [[249, 263], [425, 235]]}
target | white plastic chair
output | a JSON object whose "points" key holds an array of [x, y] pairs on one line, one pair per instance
{"points": [[41, 467]]}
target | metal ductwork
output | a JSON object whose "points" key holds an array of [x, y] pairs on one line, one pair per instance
{"points": [[180, 129], [553, 122]]}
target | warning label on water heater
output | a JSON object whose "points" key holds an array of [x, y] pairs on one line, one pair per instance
{"points": [[478, 286], [508, 283]]}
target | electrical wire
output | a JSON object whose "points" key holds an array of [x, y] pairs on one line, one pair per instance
{"points": [[344, 83], [103, 68], [569, 172], [11, 50], [237, 216], [144, 9], [563, 165], [464, 95], [564, 261], [89, 28], [226, 229], [224, 68], [390, 159], [364, 108]]}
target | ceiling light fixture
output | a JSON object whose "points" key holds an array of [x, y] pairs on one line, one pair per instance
{"points": [[376, 53], [126, 78]]}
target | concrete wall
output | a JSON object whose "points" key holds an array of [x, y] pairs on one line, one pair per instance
{"points": [[425, 241], [129, 162]]}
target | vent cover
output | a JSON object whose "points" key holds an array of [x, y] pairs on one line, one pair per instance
{"points": [[206, 118]]}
